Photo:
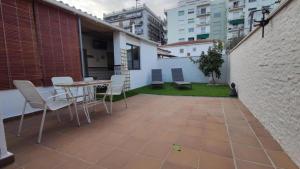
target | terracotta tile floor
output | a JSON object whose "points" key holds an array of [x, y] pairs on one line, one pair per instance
{"points": [[214, 133]]}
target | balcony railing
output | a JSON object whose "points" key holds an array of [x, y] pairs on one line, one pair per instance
{"points": [[236, 7], [199, 14]]}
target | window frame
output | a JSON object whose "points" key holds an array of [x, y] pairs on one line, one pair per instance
{"points": [[133, 66], [181, 13]]}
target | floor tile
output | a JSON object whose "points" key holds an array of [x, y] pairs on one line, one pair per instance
{"points": [[282, 160], [190, 142], [250, 165], [156, 149], [133, 144], [250, 154], [116, 159], [169, 165], [186, 157], [143, 162], [212, 161], [220, 148]]}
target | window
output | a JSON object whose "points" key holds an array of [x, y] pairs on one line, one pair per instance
{"points": [[181, 30], [191, 38], [217, 15], [203, 10], [194, 49], [236, 4], [181, 50], [181, 39], [252, 0], [191, 20], [133, 57], [188, 54], [181, 22], [203, 30], [191, 11], [180, 13], [191, 29]]}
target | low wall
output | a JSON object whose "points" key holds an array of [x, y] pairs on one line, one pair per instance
{"points": [[267, 73], [190, 70]]}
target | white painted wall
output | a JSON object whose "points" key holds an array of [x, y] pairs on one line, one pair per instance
{"points": [[267, 73], [3, 148], [139, 78], [193, 49], [190, 70], [12, 102]]}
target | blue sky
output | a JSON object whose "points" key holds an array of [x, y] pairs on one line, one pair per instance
{"points": [[98, 7]]}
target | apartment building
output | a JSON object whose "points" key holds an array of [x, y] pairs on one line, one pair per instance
{"points": [[256, 6], [239, 18], [140, 20], [196, 20]]}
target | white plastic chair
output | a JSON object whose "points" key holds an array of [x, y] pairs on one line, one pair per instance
{"points": [[75, 93], [116, 87], [35, 100]]}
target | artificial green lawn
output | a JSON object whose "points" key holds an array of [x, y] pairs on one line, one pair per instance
{"points": [[199, 89]]}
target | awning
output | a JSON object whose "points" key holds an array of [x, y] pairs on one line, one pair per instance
{"points": [[203, 36], [236, 21]]}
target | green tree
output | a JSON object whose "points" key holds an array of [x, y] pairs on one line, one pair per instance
{"points": [[211, 62]]}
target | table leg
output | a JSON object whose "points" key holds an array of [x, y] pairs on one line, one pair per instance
{"points": [[85, 106]]}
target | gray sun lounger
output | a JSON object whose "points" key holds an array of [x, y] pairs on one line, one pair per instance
{"points": [[178, 79], [157, 78]]}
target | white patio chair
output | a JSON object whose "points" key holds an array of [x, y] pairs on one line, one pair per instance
{"points": [[35, 100], [90, 90], [116, 87], [92, 100], [75, 93]]}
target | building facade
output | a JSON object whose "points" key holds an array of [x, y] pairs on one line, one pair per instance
{"points": [[188, 48], [236, 18], [196, 20], [254, 5], [239, 18], [139, 20]]}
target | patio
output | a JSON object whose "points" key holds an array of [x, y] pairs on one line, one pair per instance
{"points": [[215, 133]]}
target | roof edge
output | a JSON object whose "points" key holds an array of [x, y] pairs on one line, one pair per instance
{"points": [[94, 18]]}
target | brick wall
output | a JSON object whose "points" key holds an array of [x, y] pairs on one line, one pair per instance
{"points": [[267, 74], [37, 42]]}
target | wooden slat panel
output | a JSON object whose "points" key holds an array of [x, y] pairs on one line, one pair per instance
{"points": [[39, 49]]}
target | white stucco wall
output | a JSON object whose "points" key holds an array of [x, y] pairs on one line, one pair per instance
{"points": [[190, 70], [267, 73], [12, 102], [139, 78], [193, 49]]}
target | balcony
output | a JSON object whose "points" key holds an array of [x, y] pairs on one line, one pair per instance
{"points": [[203, 24], [236, 7], [236, 21], [199, 14]]}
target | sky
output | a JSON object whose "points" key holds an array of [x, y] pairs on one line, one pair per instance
{"points": [[98, 7]]}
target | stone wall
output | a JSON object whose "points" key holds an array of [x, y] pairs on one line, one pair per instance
{"points": [[267, 73]]}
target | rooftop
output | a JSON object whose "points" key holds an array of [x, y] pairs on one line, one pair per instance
{"points": [[209, 133], [188, 43]]}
